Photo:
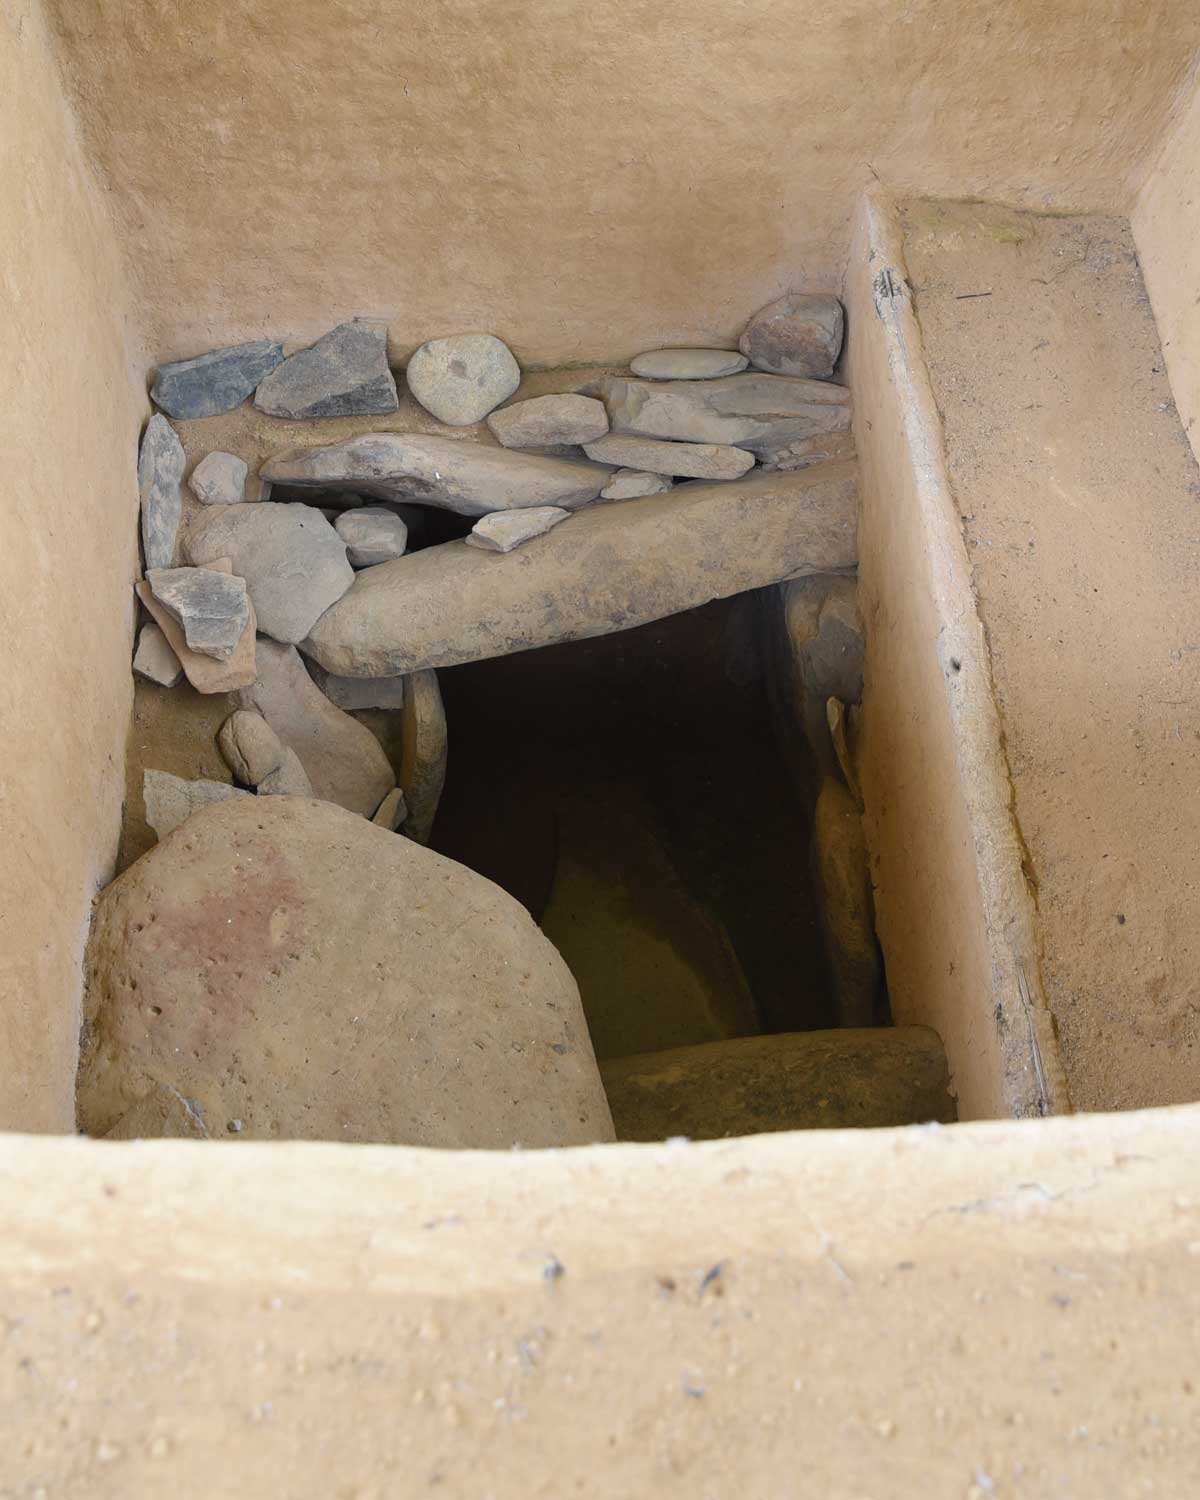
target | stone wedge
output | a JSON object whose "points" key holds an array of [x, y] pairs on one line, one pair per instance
{"points": [[444, 472], [613, 567]]}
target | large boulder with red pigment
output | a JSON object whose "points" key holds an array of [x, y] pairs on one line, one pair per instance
{"points": [[286, 969]]}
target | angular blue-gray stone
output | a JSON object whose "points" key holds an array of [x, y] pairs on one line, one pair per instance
{"points": [[160, 473], [344, 374], [216, 382]]}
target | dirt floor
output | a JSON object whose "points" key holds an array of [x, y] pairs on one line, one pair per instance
{"points": [[630, 791], [1079, 497]]}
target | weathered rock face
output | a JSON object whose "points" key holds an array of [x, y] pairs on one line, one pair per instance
{"points": [[458, 476], [295, 972], [342, 759], [629, 484], [391, 812], [847, 1079], [205, 673], [211, 607], [842, 880], [758, 412], [372, 535], [288, 779], [800, 334], [460, 379], [687, 460], [219, 479], [359, 692], [613, 567], [506, 529], [292, 559], [216, 382], [549, 421], [249, 747], [687, 364], [344, 374], [423, 759], [160, 473], [154, 659], [170, 800]]}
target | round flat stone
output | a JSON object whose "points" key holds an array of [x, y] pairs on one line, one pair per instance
{"points": [[688, 364]]}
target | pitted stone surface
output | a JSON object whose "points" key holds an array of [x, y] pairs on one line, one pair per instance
{"points": [[462, 378], [297, 972]]}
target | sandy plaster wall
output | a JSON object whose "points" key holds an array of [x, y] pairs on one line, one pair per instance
{"points": [[1166, 230], [70, 405], [586, 181], [954, 917], [927, 1314]]}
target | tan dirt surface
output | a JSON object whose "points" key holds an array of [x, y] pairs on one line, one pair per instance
{"points": [[1078, 493]]}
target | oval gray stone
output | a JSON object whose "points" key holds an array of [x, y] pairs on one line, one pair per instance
{"points": [[687, 364], [292, 559], [249, 746], [344, 374], [372, 534], [800, 334], [213, 383], [219, 479], [462, 378], [308, 974]]}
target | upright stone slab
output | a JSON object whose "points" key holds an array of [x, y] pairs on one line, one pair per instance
{"points": [[842, 884], [154, 659], [342, 758], [160, 474], [296, 972], [216, 382], [292, 559], [344, 374], [612, 567], [758, 412], [423, 759], [442, 472]]}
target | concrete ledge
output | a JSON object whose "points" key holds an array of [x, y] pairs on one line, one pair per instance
{"points": [[954, 912]]}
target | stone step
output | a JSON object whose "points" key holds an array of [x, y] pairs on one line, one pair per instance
{"points": [[801, 1080], [604, 569]]}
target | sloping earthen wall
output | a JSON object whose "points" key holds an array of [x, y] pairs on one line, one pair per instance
{"points": [[1166, 230], [70, 404], [585, 181]]}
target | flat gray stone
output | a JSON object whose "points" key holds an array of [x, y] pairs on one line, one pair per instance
{"points": [[216, 382], [687, 364], [687, 460], [549, 421], [372, 535], [629, 484], [758, 412], [154, 659], [800, 334], [160, 473], [392, 811], [506, 529], [353, 693], [442, 472], [613, 567], [170, 799], [342, 758], [219, 479], [249, 746], [423, 755], [289, 779], [211, 607], [344, 374], [292, 559], [462, 378]]}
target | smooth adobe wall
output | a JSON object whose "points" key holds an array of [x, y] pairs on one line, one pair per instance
{"points": [[70, 405], [1166, 230], [584, 180]]}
